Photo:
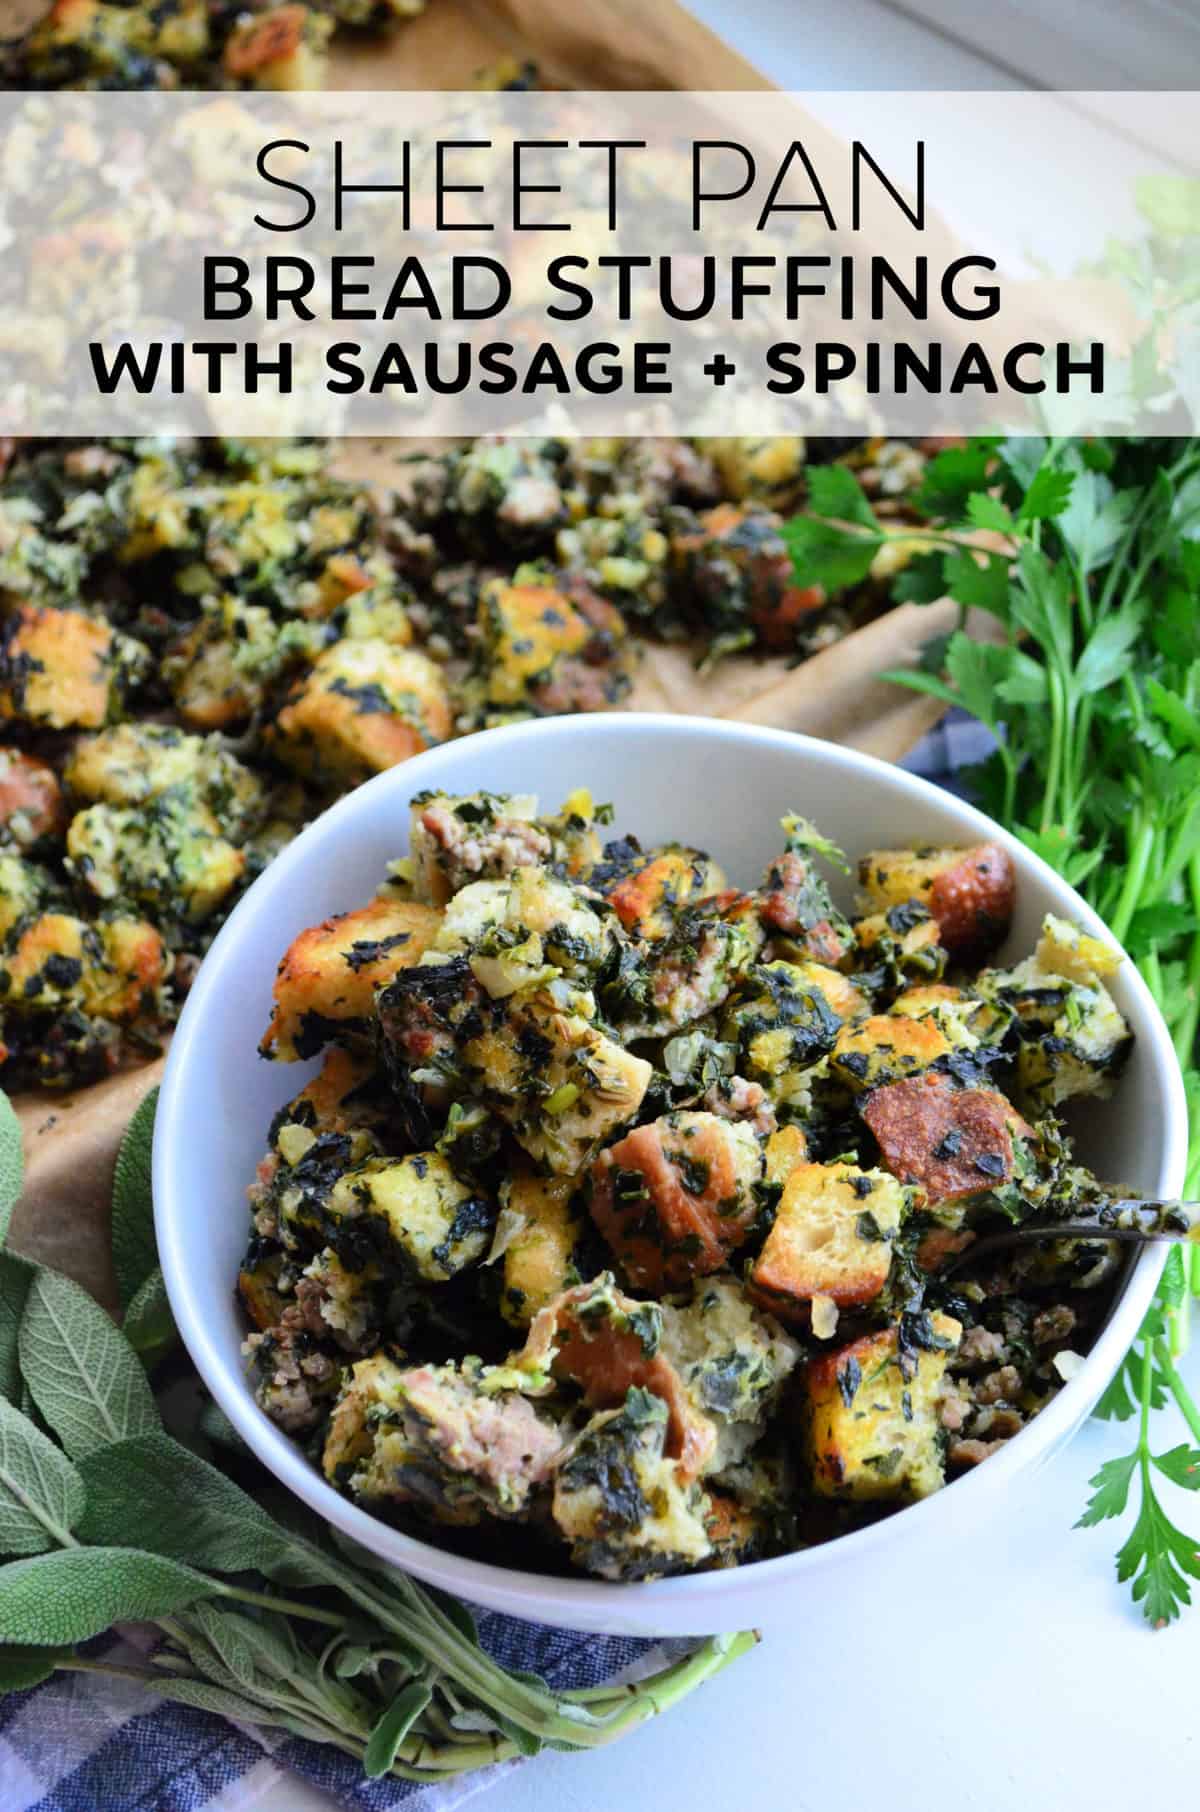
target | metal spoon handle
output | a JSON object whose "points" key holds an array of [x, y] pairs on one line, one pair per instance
{"points": [[1133, 1222]]}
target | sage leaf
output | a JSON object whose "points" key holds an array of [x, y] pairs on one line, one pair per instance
{"points": [[135, 1254], [392, 1728], [41, 1493], [12, 1163], [152, 1491], [84, 1376], [16, 1275], [250, 1647], [352, 1660], [220, 1700], [24, 1667], [52, 1600], [149, 1325]]}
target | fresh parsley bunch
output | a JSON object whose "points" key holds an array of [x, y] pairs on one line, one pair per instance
{"points": [[264, 1618], [1084, 558]]}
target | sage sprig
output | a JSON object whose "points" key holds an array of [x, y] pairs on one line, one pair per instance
{"points": [[107, 1519]]}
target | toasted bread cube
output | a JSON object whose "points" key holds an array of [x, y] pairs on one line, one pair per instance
{"points": [[298, 1177], [369, 1385], [970, 892], [674, 1198], [900, 944], [282, 49], [519, 930], [62, 670], [529, 631], [22, 890], [785, 1148], [539, 1259], [733, 1361], [414, 1214], [47, 966], [873, 1431], [831, 1237], [647, 898], [780, 1021], [952, 1143], [967, 1020], [211, 669], [168, 855], [31, 801], [560, 1083], [326, 983], [112, 970], [620, 1501], [1063, 949], [1074, 1039], [886, 1048], [133, 763], [363, 707], [258, 1288], [123, 979], [340, 1097], [841, 994], [769, 469]]}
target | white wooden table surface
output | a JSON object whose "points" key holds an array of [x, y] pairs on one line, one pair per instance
{"points": [[1019, 1677]]}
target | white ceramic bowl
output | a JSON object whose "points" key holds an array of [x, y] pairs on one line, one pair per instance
{"points": [[723, 787]]}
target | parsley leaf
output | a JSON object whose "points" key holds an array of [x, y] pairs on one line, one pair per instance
{"points": [[1110, 1493], [1158, 1559]]}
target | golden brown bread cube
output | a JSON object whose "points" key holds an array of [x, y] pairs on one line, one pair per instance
{"points": [[648, 898], [886, 1048], [363, 707], [328, 977], [282, 49], [970, 892], [539, 1259], [872, 1430], [123, 980], [60, 669], [785, 1148], [831, 1237], [548, 651], [580, 1088], [46, 967], [112, 969], [326, 1104], [210, 678]]}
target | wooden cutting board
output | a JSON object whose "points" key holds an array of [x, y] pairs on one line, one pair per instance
{"points": [[71, 1139]]}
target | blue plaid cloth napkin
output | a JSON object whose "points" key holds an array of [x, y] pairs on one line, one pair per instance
{"points": [[88, 1744]]}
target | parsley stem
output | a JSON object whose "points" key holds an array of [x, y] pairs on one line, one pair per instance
{"points": [[1145, 1400], [287, 1607], [1058, 730], [1140, 847], [1179, 1390], [1189, 1021]]}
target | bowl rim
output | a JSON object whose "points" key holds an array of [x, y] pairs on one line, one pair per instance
{"points": [[600, 1600]]}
